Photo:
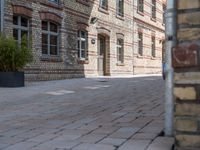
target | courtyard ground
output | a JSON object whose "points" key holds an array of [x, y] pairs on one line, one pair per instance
{"points": [[84, 114]]}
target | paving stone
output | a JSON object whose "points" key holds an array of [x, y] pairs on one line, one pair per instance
{"points": [[162, 143], [86, 146], [92, 138], [21, 146], [144, 136], [112, 141], [135, 145]]}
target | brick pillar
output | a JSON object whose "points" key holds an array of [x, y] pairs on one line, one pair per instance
{"points": [[186, 63]]}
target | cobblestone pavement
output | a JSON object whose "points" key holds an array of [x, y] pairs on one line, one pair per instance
{"points": [[84, 114]]}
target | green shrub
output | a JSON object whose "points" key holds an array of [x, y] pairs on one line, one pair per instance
{"points": [[12, 56]]}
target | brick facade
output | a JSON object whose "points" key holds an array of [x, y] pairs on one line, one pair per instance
{"points": [[186, 77], [74, 15]]}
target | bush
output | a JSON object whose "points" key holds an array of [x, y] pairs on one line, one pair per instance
{"points": [[12, 56]]}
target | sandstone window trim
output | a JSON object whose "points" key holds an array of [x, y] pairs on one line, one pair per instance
{"points": [[84, 2], [82, 44], [22, 10], [49, 34], [19, 29]]}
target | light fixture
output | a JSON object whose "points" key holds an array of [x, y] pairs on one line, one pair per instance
{"points": [[94, 20]]}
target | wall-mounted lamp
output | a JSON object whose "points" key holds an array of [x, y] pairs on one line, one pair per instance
{"points": [[94, 20]]}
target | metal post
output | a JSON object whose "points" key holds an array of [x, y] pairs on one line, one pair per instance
{"points": [[170, 42], [2, 15]]}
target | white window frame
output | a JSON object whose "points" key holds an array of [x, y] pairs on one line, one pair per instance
{"points": [[153, 46], [140, 5], [140, 41], [103, 6], [21, 28], [120, 48], [80, 40], [153, 9], [120, 8], [49, 33]]}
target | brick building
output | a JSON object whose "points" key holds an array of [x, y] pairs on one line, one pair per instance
{"points": [[77, 38]]}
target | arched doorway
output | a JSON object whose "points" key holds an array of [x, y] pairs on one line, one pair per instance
{"points": [[103, 51]]}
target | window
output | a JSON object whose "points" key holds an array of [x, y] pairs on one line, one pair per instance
{"points": [[153, 9], [153, 46], [50, 38], [54, 1], [82, 44], [120, 50], [141, 6], [120, 8], [20, 28], [140, 43], [164, 9], [103, 4]]}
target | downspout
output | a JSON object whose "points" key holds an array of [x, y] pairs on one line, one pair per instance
{"points": [[2, 14], [170, 42]]}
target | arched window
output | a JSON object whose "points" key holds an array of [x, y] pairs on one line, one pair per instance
{"points": [[50, 38]]}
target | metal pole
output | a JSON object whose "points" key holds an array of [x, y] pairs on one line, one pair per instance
{"points": [[170, 42], [2, 15]]}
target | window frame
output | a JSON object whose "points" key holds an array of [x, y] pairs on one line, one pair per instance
{"points": [[138, 6], [102, 6], [54, 1], [153, 46], [153, 9], [80, 39], [49, 34], [120, 47], [120, 8], [140, 43], [21, 28]]}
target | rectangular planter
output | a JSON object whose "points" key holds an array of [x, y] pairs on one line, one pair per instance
{"points": [[11, 79]]}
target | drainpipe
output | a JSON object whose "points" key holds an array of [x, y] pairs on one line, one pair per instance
{"points": [[170, 42], [2, 15]]}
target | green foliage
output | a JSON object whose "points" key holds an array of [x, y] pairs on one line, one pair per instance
{"points": [[12, 56]]}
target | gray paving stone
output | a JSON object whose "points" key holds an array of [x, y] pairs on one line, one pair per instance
{"points": [[91, 138], [112, 141], [21, 146], [135, 145], [100, 115], [162, 143], [86, 146]]}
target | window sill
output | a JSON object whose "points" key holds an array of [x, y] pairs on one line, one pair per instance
{"points": [[153, 19], [53, 5], [105, 11], [51, 58], [120, 64], [140, 13], [120, 17], [83, 2], [153, 58], [140, 56], [83, 61]]}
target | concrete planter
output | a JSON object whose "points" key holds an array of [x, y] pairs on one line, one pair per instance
{"points": [[11, 79]]}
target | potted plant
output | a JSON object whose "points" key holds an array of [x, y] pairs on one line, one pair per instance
{"points": [[13, 58]]}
